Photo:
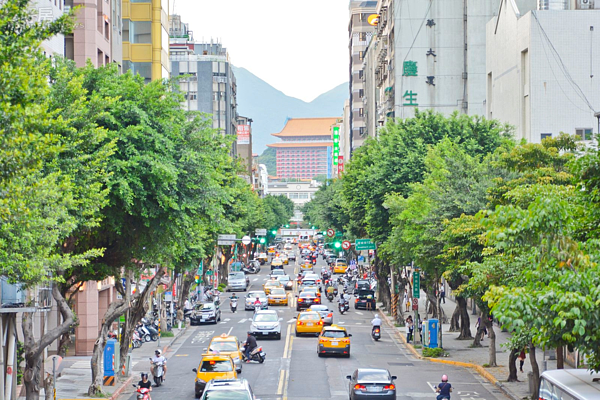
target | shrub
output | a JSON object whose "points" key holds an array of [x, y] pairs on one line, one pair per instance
{"points": [[435, 353]]}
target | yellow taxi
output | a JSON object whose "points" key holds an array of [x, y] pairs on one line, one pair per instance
{"points": [[308, 322], [263, 258], [277, 296], [272, 284], [334, 339], [277, 263], [213, 366], [227, 345], [340, 267], [271, 250], [306, 266]]}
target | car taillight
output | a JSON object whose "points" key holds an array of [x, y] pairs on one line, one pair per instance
{"points": [[329, 315], [346, 341], [300, 300], [320, 323], [299, 322], [359, 387], [356, 301], [389, 387]]}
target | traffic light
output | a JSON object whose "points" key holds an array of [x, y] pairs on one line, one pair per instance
{"points": [[197, 278], [274, 232], [337, 245], [287, 225], [262, 240]]}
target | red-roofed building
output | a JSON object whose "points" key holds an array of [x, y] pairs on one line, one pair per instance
{"points": [[305, 149]]}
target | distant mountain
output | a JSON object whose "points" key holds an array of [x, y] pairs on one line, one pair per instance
{"points": [[269, 108]]}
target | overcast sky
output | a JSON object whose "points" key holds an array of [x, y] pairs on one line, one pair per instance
{"points": [[297, 46]]}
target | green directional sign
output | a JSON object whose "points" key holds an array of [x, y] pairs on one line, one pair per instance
{"points": [[416, 284], [364, 244], [336, 146]]}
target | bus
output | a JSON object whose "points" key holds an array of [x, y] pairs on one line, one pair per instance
{"points": [[569, 384]]}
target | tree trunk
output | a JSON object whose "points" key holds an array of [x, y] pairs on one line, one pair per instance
{"points": [[186, 282], [560, 357], [33, 351], [455, 319], [137, 310], [465, 320], [536, 372], [492, 335], [115, 310], [512, 366]]}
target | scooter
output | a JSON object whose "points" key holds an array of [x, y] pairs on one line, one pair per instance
{"points": [[136, 340], [343, 307], [143, 393], [256, 355], [144, 333], [233, 304], [157, 372], [376, 333], [330, 297]]}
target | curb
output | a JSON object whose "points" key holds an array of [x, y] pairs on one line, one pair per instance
{"points": [[491, 378]]}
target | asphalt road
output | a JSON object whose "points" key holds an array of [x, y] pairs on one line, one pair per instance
{"points": [[292, 370]]}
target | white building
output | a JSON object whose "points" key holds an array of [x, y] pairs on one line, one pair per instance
{"points": [[430, 55], [49, 10], [543, 70], [299, 192]]}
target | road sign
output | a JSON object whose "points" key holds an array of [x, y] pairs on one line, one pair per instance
{"points": [[416, 284], [260, 232], [415, 303], [364, 244], [346, 245], [246, 240], [226, 240], [330, 233]]}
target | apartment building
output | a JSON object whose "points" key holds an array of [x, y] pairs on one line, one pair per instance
{"points": [[146, 38], [360, 31], [49, 10], [244, 146], [98, 34], [208, 81], [541, 70]]}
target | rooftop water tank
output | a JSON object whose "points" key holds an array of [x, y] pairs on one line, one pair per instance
{"points": [[554, 5]]}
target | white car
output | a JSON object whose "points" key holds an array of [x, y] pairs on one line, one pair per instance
{"points": [[251, 299], [265, 323], [236, 281]]}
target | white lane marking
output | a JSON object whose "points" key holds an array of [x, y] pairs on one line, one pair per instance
{"points": [[241, 321], [254, 280], [202, 336], [341, 322], [280, 319], [291, 320], [227, 319], [359, 323], [358, 312]]}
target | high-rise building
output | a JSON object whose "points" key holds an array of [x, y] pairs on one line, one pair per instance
{"points": [[97, 35], [244, 145], [49, 10], [428, 55], [306, 148], [360, 33], [208, 82], [146, 38]]}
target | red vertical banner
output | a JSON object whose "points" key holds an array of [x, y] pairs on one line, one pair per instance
{"points": [[340, 164]]}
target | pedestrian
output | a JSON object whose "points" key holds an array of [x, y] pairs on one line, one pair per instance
{"points": [[522, 357], [442, 293], [406, 301], [484, 331], [409, 329], [422, 330]]}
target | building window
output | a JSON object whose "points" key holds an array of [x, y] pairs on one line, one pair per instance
{"points": [[140, 32], [361, 55], [360, 74], [361, 112], [362, 36], [362, 17], [140, 1], [545, 136], [584, 133]]}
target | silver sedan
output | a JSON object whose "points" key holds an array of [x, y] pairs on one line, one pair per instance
{"points": [[325, 313]]}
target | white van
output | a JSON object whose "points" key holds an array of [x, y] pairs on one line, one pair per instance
{"points": [[569, 384], [237, 281]]}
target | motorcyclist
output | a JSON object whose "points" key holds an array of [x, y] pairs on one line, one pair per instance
{"points": [[158, 358], [249, 346], [330, 290], [376, 323], [145, 383], [257, 301], [342, 300], [444, 388]]}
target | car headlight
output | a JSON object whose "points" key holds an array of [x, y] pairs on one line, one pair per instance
{"points": [[253, 327], [237, 359], [200, 380]]}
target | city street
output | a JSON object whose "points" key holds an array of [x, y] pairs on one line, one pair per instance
{"points": [[293, 370]]}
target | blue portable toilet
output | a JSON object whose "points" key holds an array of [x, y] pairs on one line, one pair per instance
{"points": [[109, 357], [433, 325]]}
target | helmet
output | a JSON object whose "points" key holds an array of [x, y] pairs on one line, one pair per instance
{"points": [[249, 333], [376, 315], [157, 352], [144, 375], [444, 378]]}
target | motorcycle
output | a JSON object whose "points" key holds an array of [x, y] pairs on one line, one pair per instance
{"points": [[344, 307], [257, 307], [143, 393], [157, 372], [376, 333], [255, 355], [151, 329], [233, 304], [330, 297], [144, 333], [136, 340]]}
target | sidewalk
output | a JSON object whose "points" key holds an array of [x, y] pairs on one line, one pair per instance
{"points": [[461, 353], [75, 375]]}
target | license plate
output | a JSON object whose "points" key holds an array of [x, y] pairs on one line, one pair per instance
{"points": [[265, 333], [309, 324], [374, 388], [334, 343]]}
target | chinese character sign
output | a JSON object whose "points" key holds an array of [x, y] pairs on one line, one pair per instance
{"points": [[409, 68], [336, 145], [340, 164], [410, 98], [243, 134], [45, 14]]}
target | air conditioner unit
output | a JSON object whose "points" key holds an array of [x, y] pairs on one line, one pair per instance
{"points": [[586, 4]]}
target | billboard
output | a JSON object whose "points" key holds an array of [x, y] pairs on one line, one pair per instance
{"points": [[336, 146], [243, 134]]}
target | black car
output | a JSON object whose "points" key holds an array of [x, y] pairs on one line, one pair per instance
{"points": [[372, 383], [365, 299], [205, 312], [305, 300], [362, 284]]}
